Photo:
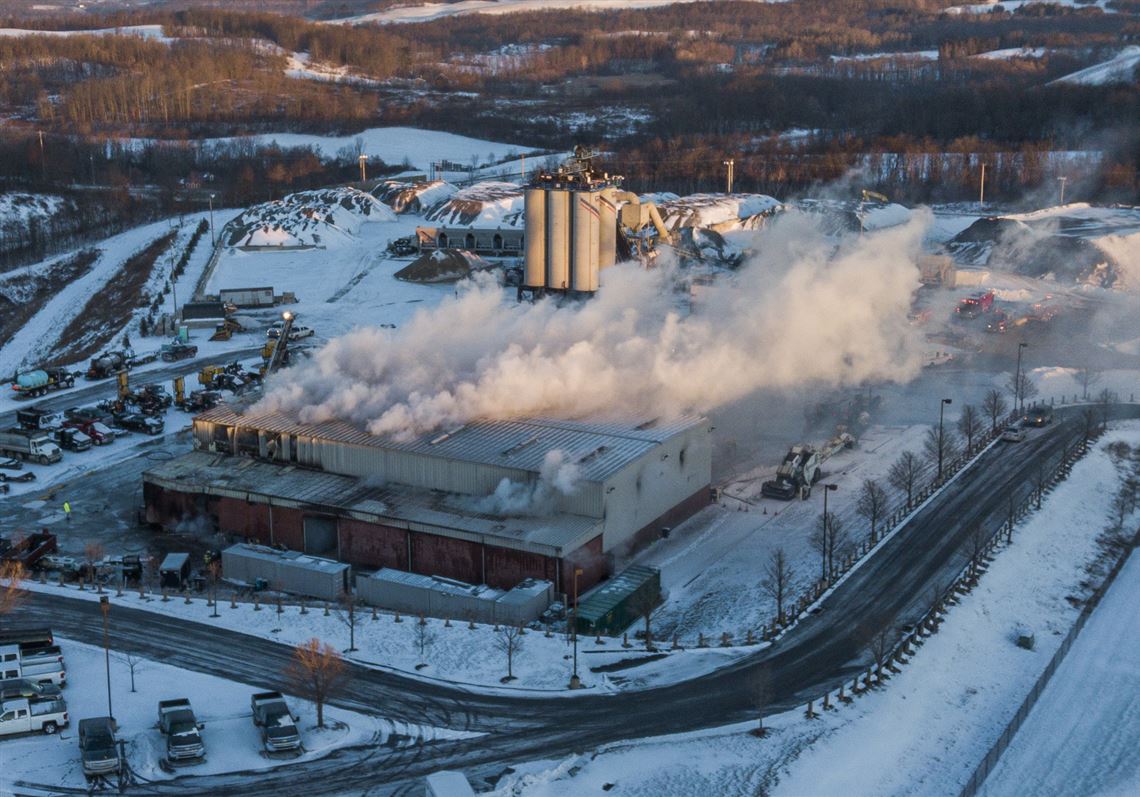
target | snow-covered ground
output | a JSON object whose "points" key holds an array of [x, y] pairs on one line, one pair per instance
{"points": [[430, 11], [1083, 736], [232, 742], [925, 731], [454, 651], [153, 32], [1013, 5], [1118, 69]]}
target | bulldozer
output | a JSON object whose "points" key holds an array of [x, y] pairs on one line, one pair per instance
{"points": [[802, 467], [226, 329]]}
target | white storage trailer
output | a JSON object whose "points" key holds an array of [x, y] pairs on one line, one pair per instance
{"points": [[287, 571], [435, 596]]}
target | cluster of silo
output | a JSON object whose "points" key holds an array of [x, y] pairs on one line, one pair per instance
{"points": [[571, 231]]}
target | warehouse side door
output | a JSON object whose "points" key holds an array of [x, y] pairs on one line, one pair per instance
{"points": [[320, 535]]}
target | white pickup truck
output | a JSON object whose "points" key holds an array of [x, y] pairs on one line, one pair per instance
{"points": [[41, 665], [22, 715]]}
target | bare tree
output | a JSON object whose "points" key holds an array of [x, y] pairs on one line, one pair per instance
{"points": [[1103, 399], [994, 406], [969, 424], [878, 643], [977, 550], [316, 672], [1027, 388], [940, 445], [509, 640], [644, 603], [827, 540], [904, 474], [777, 579], [134, 664], [93, 552], [424, 637], [1087, 378], [12, 591], [761, 693], [872, 504], [348, 604]]}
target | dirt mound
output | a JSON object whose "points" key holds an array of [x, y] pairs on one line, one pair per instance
{"points": [[490, 204], [307, 218], [449, 265], [1031, 251], [413, 197]]}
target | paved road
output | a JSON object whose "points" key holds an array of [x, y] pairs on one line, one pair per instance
{"points": [[824, 650]]}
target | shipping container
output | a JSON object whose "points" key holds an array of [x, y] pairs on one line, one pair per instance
{"points": [[286, 571]]}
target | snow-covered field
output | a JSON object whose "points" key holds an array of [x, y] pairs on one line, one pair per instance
{"points": [[1083, 736], [232, 741], [430, 11], [925, 731], [1118, 69]]}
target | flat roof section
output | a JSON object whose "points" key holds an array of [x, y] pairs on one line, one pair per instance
{"points": [[429, 511], [600, 448]]}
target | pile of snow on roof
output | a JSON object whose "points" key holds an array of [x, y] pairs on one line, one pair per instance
{"points": [[487, 205], [321, 218]]}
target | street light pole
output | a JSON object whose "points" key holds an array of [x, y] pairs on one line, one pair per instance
{"points": [[213, 238], [1017, 378], [105, 606], [362, 160], [941, 409], [575, 681]]}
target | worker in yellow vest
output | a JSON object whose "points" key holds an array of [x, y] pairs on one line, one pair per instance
{"points": [[67, 511]]}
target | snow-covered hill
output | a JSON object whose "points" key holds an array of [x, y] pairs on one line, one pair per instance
{"points": [[322, 218], [1119, 69], [722, 212]]}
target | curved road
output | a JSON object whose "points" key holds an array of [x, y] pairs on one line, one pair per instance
{"points": [[892, 588]]}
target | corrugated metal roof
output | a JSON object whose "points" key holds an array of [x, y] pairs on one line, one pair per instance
{"points": [[600, 448], [428, 510], [604, 597]]}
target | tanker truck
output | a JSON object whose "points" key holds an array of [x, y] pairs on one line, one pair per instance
{"points": [[40, 381]]}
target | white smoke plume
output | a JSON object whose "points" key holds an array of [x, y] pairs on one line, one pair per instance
{"points": [[559, 476], [804, 309]]}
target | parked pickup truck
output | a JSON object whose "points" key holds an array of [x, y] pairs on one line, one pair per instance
{"points": [[183, 741], [98, 748], [272, 715], [72, 439], [23, 715]]}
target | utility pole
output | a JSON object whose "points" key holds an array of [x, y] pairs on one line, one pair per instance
{"points": [[43, 158], [105, 605], [1062, 181], [575, 681], [213, 238], [982, 192], [363, 159], [522, 167], [941, 444], [729, 163]]}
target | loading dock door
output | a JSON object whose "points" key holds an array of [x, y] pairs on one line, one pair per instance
{"points": [[320, 536]]}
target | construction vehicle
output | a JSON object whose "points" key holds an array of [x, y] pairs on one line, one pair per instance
{"points": [[91, 424], [275, 353], [28, 444], [28, 551], [178, 350], [107, 364], [40, 381], [207, 374], [226, 329], [38, 418], [802, 467], [72, 439]]}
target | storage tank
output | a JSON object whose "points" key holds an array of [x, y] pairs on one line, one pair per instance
{"points": [[607, 229], [535, 255], [558, 240], [584, 268]]}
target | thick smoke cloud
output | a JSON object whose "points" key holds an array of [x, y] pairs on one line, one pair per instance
{"points": [[804, 309], [559, 475]]}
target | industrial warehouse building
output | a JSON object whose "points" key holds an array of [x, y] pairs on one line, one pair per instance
{"points": [[421, 506]]}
